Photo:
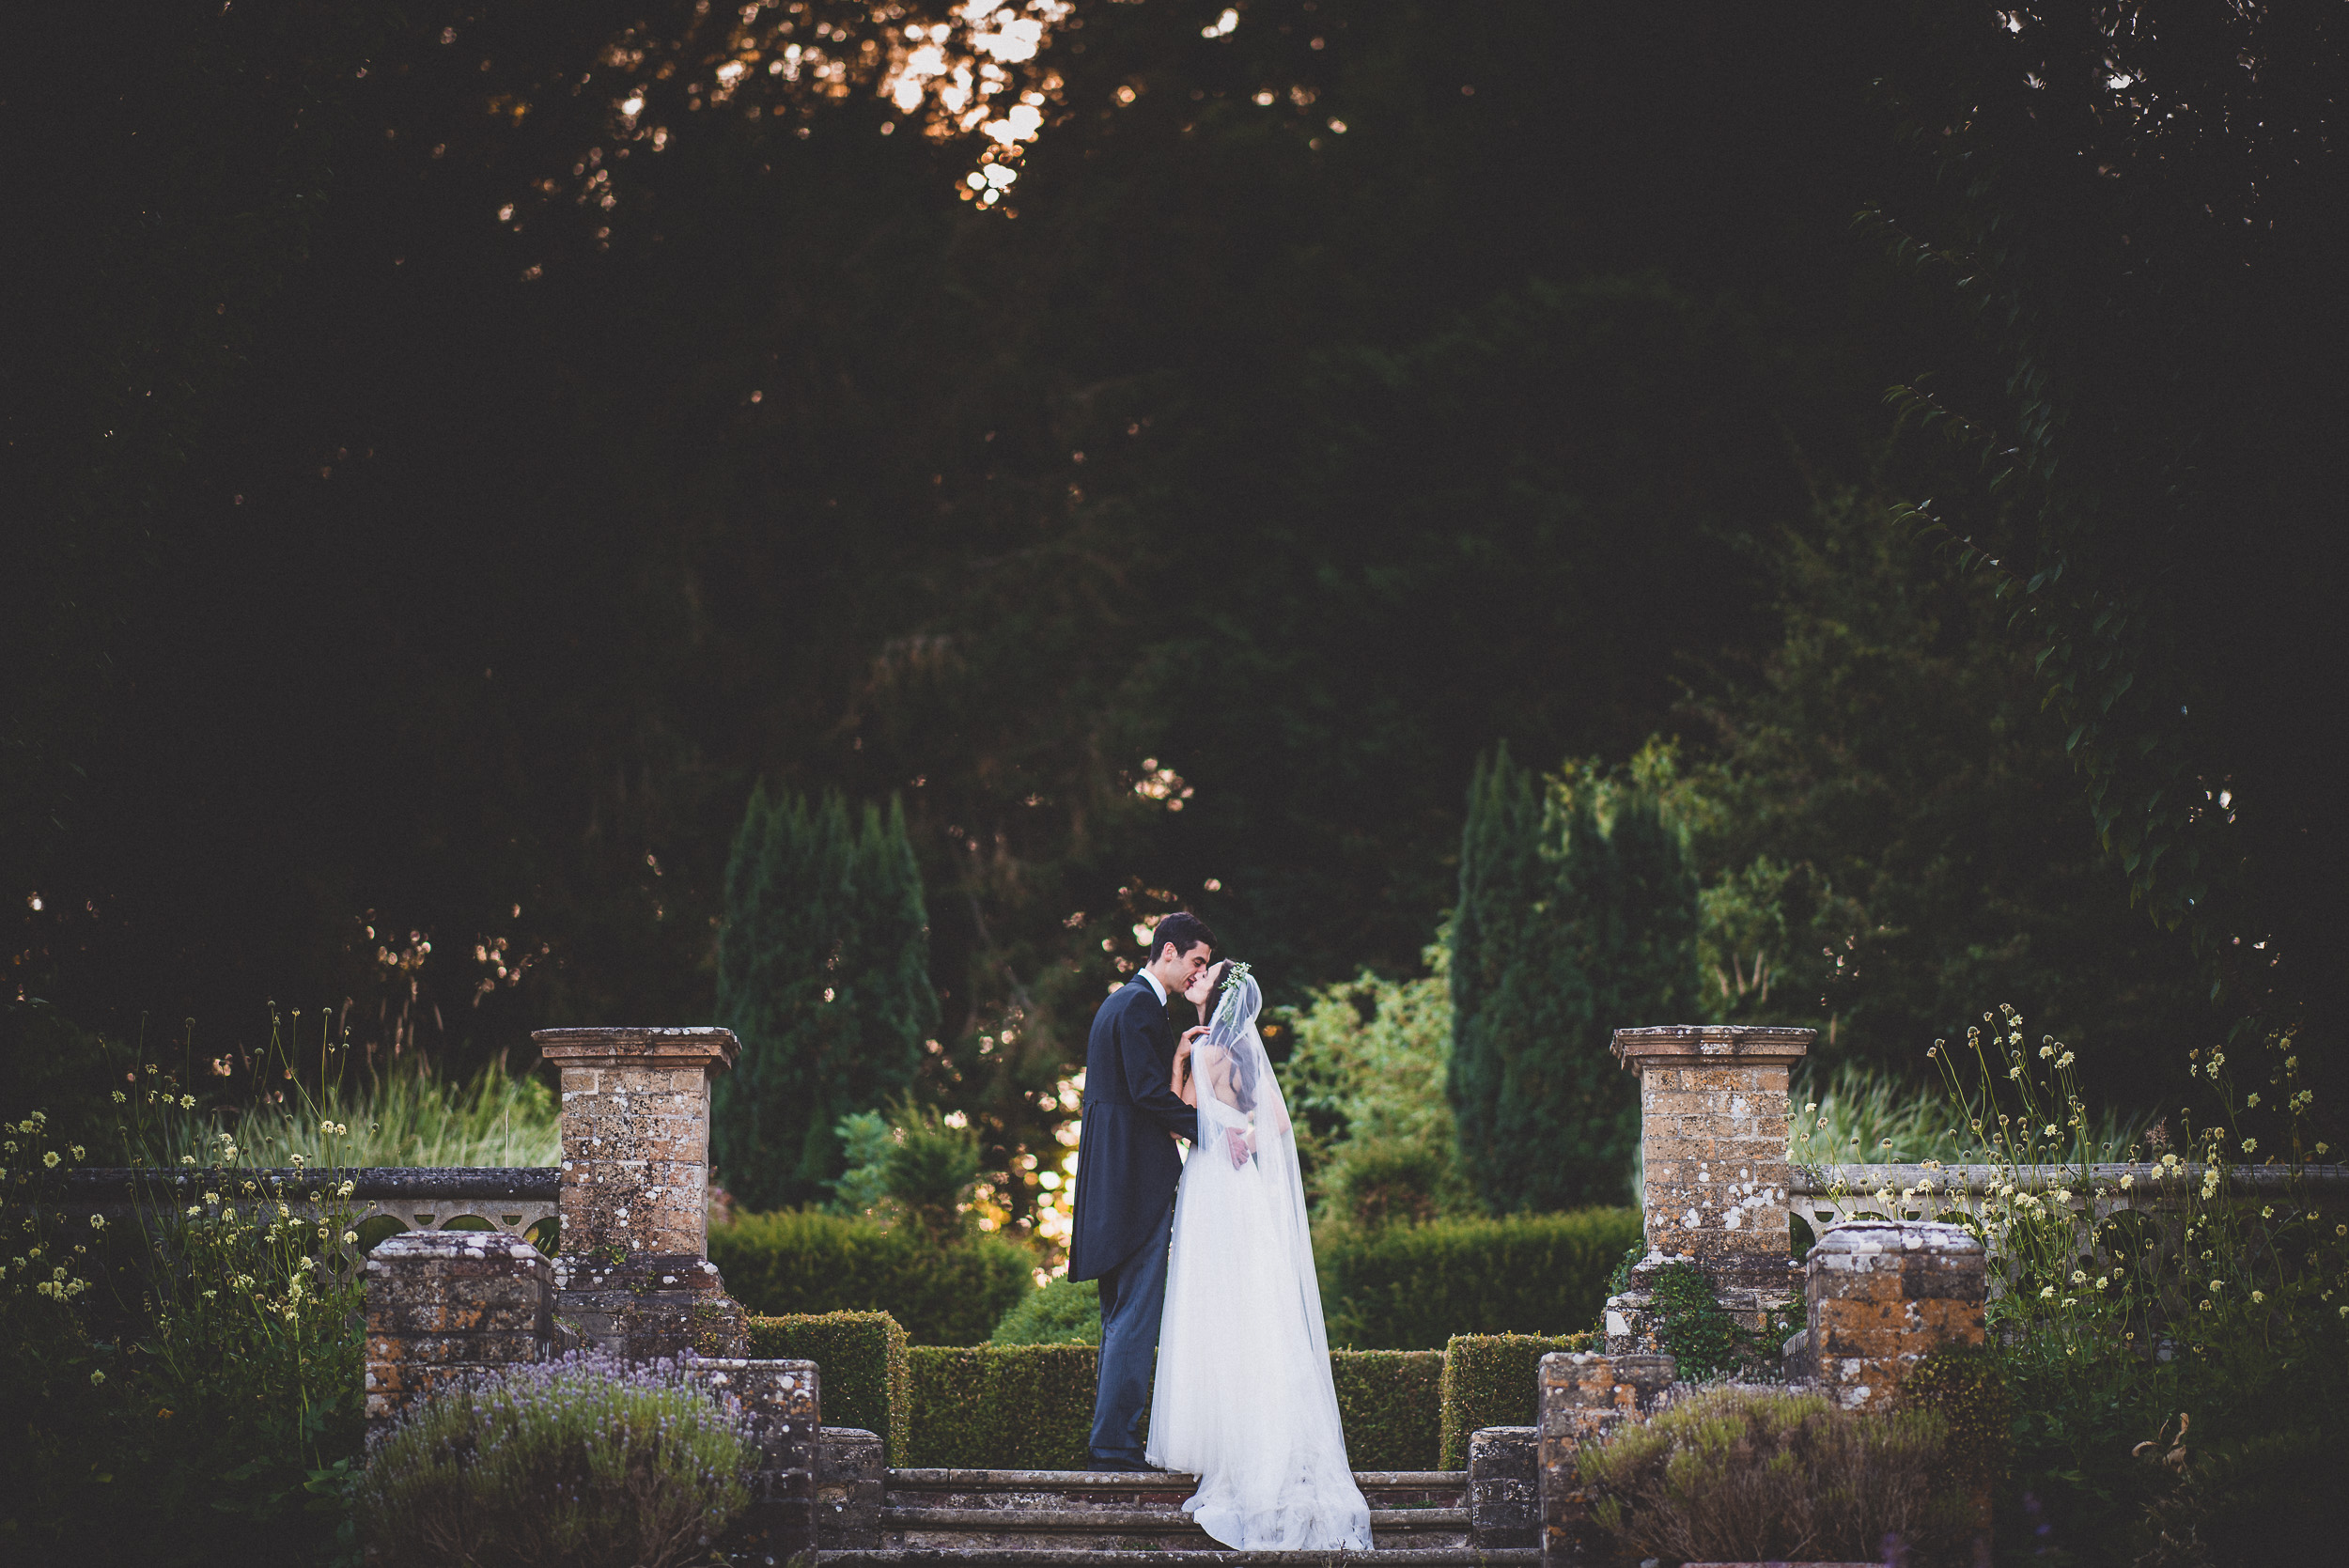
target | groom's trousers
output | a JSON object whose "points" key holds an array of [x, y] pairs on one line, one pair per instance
{"points": [[1132, 1295]]}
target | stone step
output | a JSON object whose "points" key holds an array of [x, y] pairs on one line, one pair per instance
{"points": [[1146, 1529], [1080, 1557], [1131, 1491]]}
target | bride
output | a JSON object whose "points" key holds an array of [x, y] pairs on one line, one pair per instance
{"points": [[1243, 1396]]}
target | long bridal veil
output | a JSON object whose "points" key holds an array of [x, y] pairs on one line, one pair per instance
{"points": [[1243, 1396]]}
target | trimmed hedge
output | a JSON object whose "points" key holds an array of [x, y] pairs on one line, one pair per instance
{"points": [[1489, 1380], [860, 1361], [1413, 1288], [1002, 1406], [1030, 1406], [796, 1261], [1390, 1403]]}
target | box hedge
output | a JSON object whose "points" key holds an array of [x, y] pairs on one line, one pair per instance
{"points": [[1002, 1406], [1489, 1380], [1413, 1288], [860, 1361], [1389, 1404], [1030, 1406], [797, 1262]]}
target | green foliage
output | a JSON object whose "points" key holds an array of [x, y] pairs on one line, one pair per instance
{"points": [[861, 1358], [2212, 1329], [1413, 1288], [1065, 1312], [1750, 1475], [183, 1384], [798, 1261], [1962, 1386], [1030, 1406], [1003, 1406], [1705, 1341], [590, 1462], [1364, 1079], [1884, 820], [912, 1166], [1489, 1380], [1576, 916], [823, 972], [408, 1117], [1391, 1404], [865, 1142]]}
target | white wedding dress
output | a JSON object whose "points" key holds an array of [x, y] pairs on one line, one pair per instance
{"points": [[1243, 1397]]}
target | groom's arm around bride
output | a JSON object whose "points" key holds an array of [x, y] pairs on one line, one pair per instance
{"points": [[1126, 1168]]}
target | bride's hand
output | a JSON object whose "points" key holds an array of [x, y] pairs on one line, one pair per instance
{"points": [[1238, 1140]]}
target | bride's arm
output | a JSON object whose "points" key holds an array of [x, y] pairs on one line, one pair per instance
{"points": [[1185, 1078]]}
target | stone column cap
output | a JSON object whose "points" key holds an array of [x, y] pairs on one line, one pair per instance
{"points": [[1734, 1042], [713, 1048]]}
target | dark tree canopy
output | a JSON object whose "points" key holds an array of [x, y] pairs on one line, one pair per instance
{"points": [[465, 447]]}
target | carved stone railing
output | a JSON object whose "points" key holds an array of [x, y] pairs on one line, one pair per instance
{"points": [[1825, 1195], [516, 1201]]}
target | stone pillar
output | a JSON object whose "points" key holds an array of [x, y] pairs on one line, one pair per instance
{"points": [[1583, 1396], [1881, 1296], [1504, 1502], [631, 1273], [1713, 1149], [851, 1486], [440, 1304], [784, 1402]]}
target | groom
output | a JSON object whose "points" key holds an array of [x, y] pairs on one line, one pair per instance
{"points": [[1126, 1168]]}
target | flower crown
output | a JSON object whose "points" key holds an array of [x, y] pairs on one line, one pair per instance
{"points": [[1233, 975]]}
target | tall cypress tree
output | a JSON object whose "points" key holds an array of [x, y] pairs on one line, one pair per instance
{"points": [[823, 972], [1566, 929]]}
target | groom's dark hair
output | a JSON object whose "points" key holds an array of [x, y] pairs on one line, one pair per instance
{"points": [[1184, 929]]}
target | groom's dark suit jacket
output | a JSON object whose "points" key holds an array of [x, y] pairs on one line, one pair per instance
{"points": [[1125, 1163]]}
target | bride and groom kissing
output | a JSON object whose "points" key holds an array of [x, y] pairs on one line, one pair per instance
{"points": [[1207, 1261]]}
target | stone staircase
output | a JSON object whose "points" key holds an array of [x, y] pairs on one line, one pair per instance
{"points": [[1036, 1519]]}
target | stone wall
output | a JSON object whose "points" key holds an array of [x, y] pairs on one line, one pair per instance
{"points": [[440, 1304], [1881, 1296], [784, 1402], [1582, 1396], [1505, 1501]]}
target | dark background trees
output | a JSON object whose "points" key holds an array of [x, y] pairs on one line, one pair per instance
{"points": [[503, 480]]}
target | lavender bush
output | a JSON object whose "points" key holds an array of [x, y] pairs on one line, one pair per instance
{"points": [[585, 1461]]}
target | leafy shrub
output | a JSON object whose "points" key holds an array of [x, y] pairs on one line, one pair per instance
{"points": [[1754, 1474], [797, 1262], [586, 1462], [1413, 1288], [1065, 1312], [1008, 1407], [1489, 1380], [1390, 1403], [1365, 1080], [860, 1361]]}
